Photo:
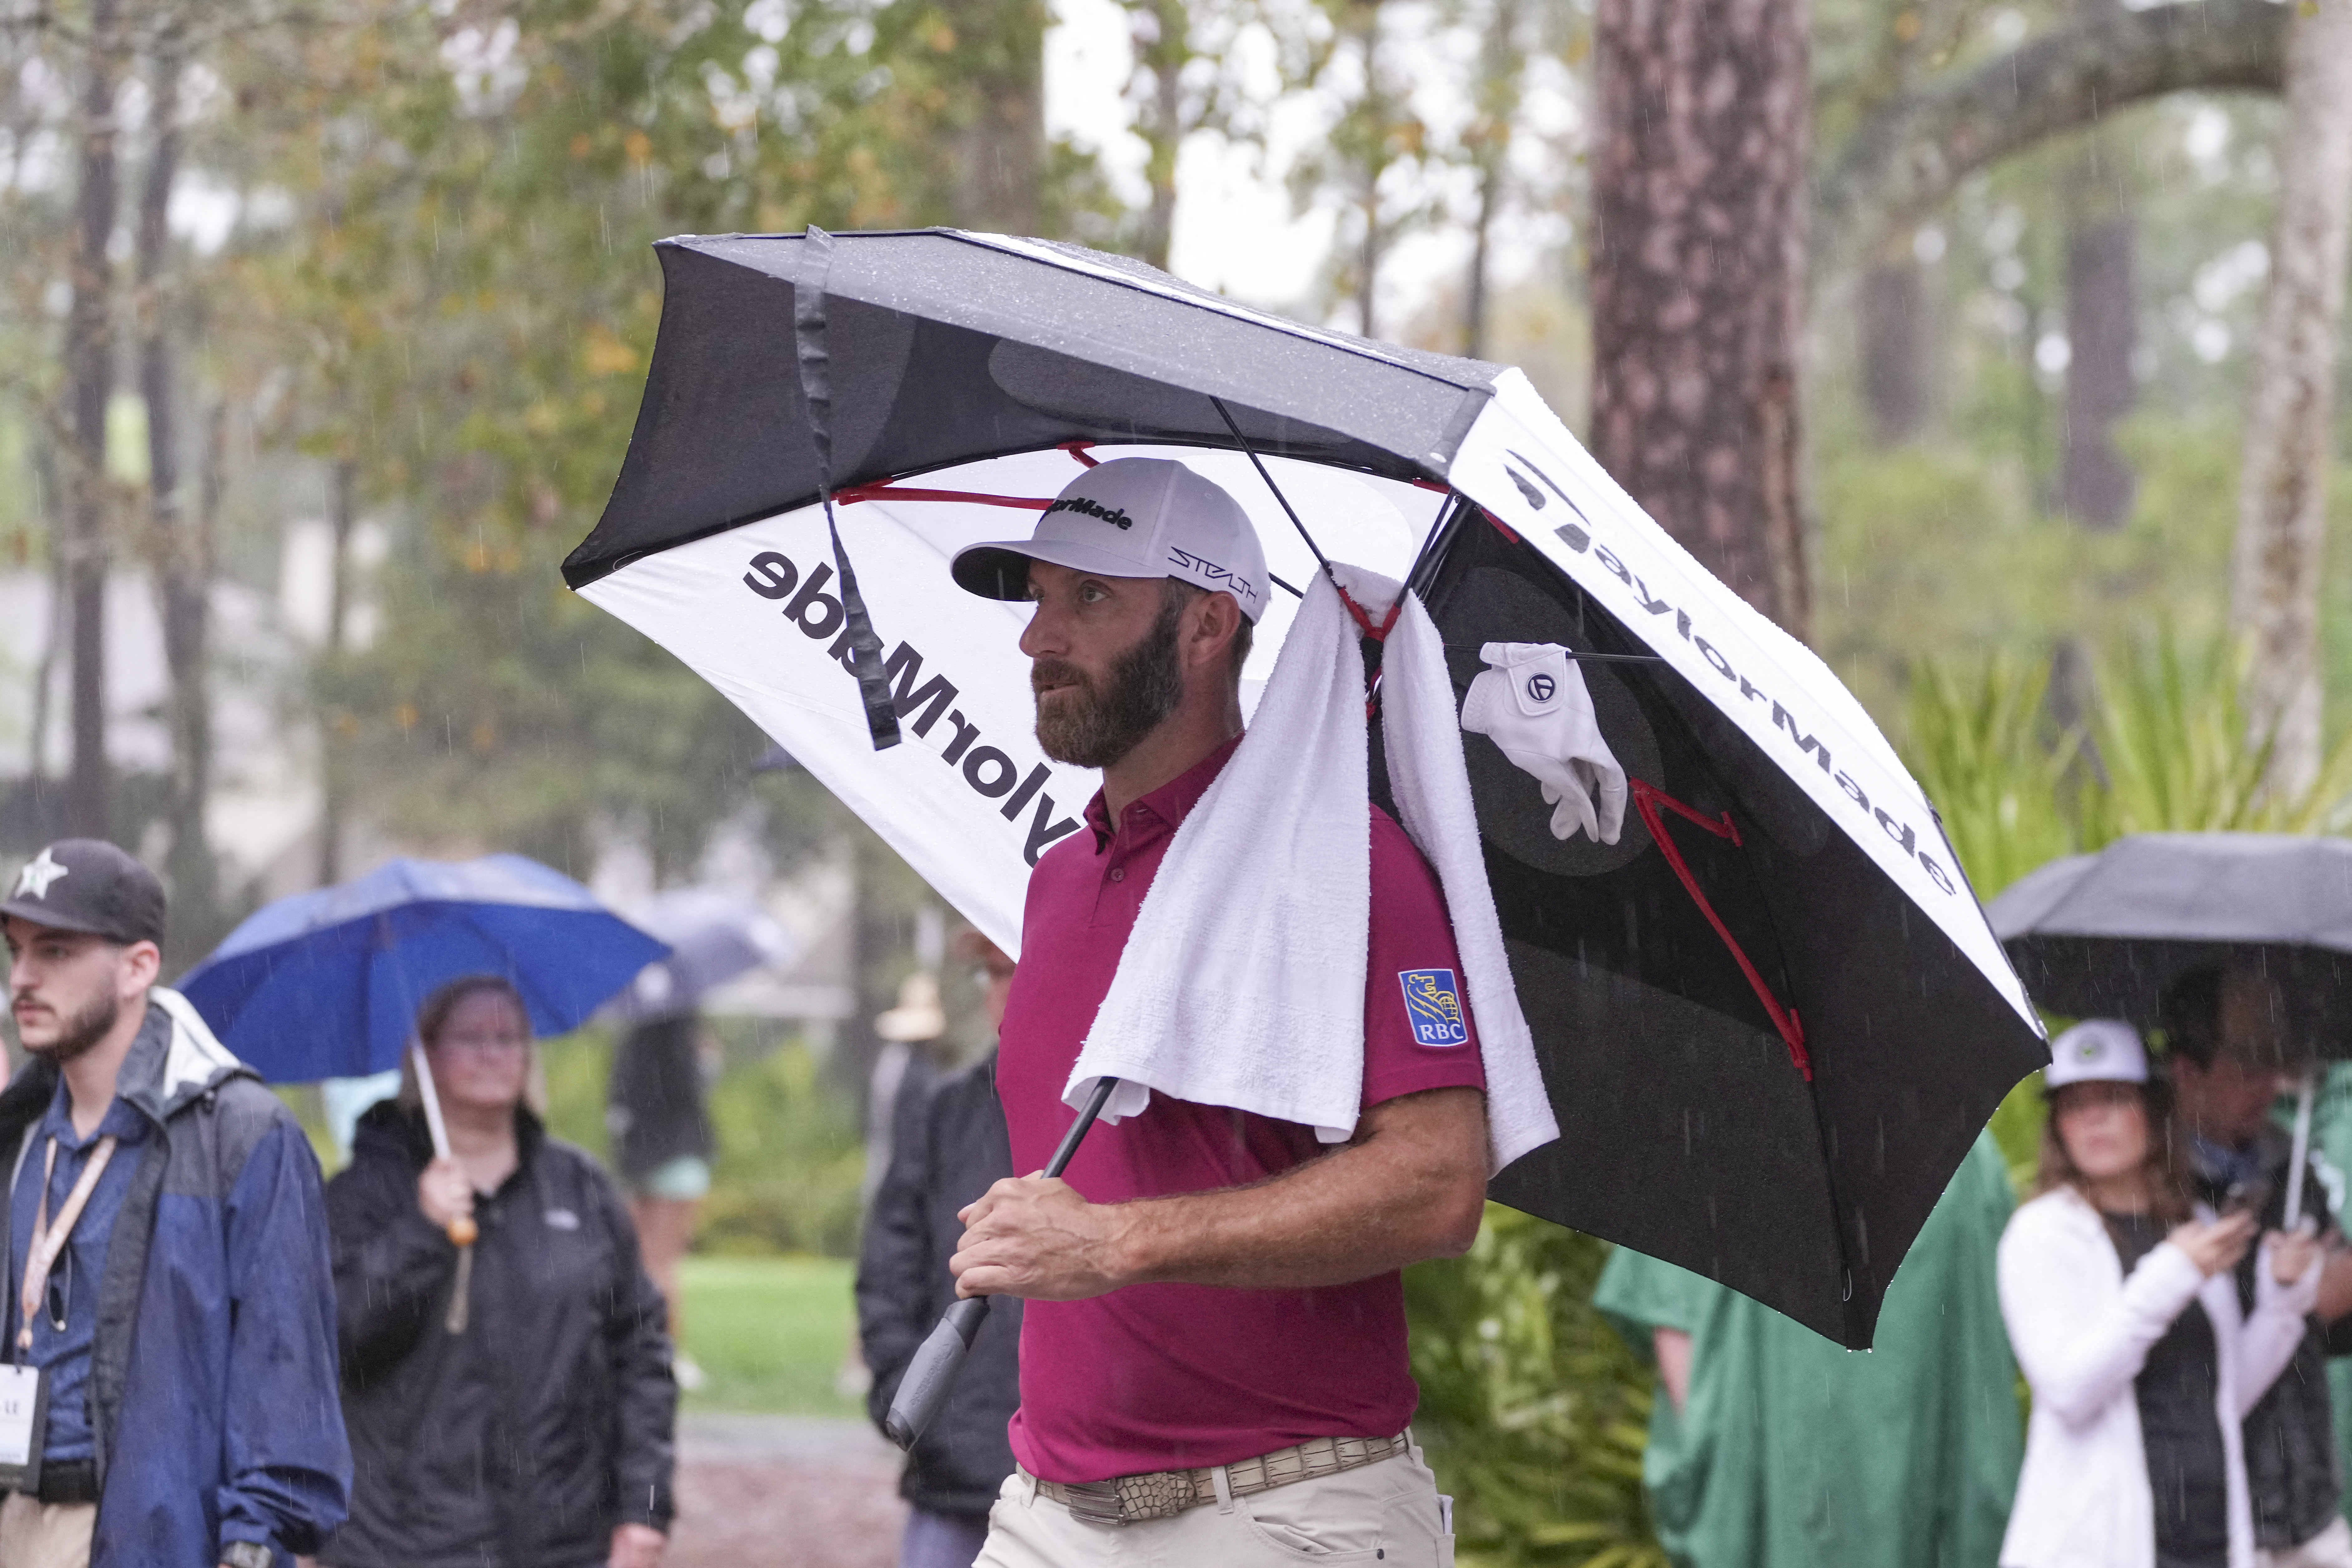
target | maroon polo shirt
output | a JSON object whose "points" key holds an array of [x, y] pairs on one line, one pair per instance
{"points": [[1163, 1376]]}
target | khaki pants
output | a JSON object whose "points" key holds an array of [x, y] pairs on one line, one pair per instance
{"points": [[2331, 1548], [1388, 1513], [37, 1534]]}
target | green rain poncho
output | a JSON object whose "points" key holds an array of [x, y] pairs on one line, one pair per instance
{"points": [[1794, 1453], [2331, 1154]]}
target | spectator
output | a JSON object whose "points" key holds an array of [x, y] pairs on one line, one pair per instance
{"points": [[1910, 1453], [948, 1146], [512, 1403], [2125, 1317], [2230, 1059], [658, 1111], [184, 1332]]}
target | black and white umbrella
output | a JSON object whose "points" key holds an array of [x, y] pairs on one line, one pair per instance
{"points": [[1771, 1019]]}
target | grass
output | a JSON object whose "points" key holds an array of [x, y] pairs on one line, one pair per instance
{"points": [[771, 1333]]}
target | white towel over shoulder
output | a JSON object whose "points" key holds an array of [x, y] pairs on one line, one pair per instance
{"points": [[1243, 982]]}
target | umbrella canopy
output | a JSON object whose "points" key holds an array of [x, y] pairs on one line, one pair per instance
{"points": [[713, 938], [2105, 934], [327, 984], [1771, 1018]]}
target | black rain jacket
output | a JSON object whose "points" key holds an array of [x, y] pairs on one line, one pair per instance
{"points": [[948, 1146], [523, 1441]]}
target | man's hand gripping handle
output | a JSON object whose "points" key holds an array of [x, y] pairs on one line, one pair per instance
{"points": [[937, 1361]]}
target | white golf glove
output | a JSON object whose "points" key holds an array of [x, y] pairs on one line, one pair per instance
{"points": [[1532, 703]]}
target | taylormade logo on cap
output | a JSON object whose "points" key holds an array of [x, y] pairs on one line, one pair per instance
{"points": [[1164, 521], [1092, 508]]}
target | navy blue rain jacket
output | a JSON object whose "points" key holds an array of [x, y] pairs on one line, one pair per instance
{"points": [[212, 1379]]}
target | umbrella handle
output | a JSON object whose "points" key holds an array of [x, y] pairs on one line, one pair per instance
{"points": [[2300, 1152], [938, 1358], [463, 1231]]}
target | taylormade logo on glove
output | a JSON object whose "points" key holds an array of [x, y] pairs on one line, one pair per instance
{"points": [[1531, 702]]}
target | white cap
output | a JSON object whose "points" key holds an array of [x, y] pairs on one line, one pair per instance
{"points": [[2096, 1050], [1131, 517]]}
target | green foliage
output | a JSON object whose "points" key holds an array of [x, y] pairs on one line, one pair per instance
{"points": [[770, 1333], [2166, 748], [2002, 785], [1534, 1411], [789, 1158], [573, 1069], [2174, 741]]}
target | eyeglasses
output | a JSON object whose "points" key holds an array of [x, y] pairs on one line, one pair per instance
{"points": [[483, 1045]]}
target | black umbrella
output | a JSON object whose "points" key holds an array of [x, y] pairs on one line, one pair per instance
{"points": [[1771, 1018], [2106, 935]]}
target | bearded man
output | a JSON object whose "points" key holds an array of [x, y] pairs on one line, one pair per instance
{"points": [[1213, 1351], [170, 1310]]}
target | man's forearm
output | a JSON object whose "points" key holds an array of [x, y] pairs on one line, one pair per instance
{"points": [[1411, 1186], [1356, 1211]]}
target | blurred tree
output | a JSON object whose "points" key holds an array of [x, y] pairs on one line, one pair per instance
{"points": [[1163, 35], [1000, 114], [2095, 485], [90, 364], [2282, 490], [1894, 337], [182, 546], [1377, 141], [1697, 279], [1912, 147], [1495, 92], [1182, 83]]}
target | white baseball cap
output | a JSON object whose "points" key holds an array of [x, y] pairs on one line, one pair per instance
{"points": [[2096, 1050], [1131, 517]]}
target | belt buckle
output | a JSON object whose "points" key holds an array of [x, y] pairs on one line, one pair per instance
{"points": [[1157, 1494]]}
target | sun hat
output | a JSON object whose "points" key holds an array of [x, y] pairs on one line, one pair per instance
{"points": [[1131, 517], [2096, 1050]]}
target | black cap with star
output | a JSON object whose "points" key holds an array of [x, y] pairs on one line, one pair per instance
{"points": [[88, 884]]}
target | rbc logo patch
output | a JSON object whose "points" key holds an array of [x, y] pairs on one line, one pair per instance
{"points": [[1432, 1006]]}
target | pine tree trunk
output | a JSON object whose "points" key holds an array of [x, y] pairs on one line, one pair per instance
{"points": [[1001, 142], [1893, 326], [2283, 489], [334, 781], [90, 388], [2095, 485], [182, 534], [1698, 268]]}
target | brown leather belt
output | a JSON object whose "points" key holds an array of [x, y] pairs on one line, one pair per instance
{"points": [[1163, 1494]]}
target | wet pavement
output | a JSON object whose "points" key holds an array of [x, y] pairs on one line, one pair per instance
{"points": [[785, 1490]]}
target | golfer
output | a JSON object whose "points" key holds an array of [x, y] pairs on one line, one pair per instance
{"points": [[1213, 1353]]}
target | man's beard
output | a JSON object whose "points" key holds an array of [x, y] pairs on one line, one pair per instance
{"points": [[1093, 729], [82, 1033]]}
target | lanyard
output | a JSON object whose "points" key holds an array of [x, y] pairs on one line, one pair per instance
{"points": [[47, 1243]]}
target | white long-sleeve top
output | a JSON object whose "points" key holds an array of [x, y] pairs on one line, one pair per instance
{"points": [[2081, 1331]]}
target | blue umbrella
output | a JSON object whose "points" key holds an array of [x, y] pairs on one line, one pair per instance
{"points": [[327, 984]]}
